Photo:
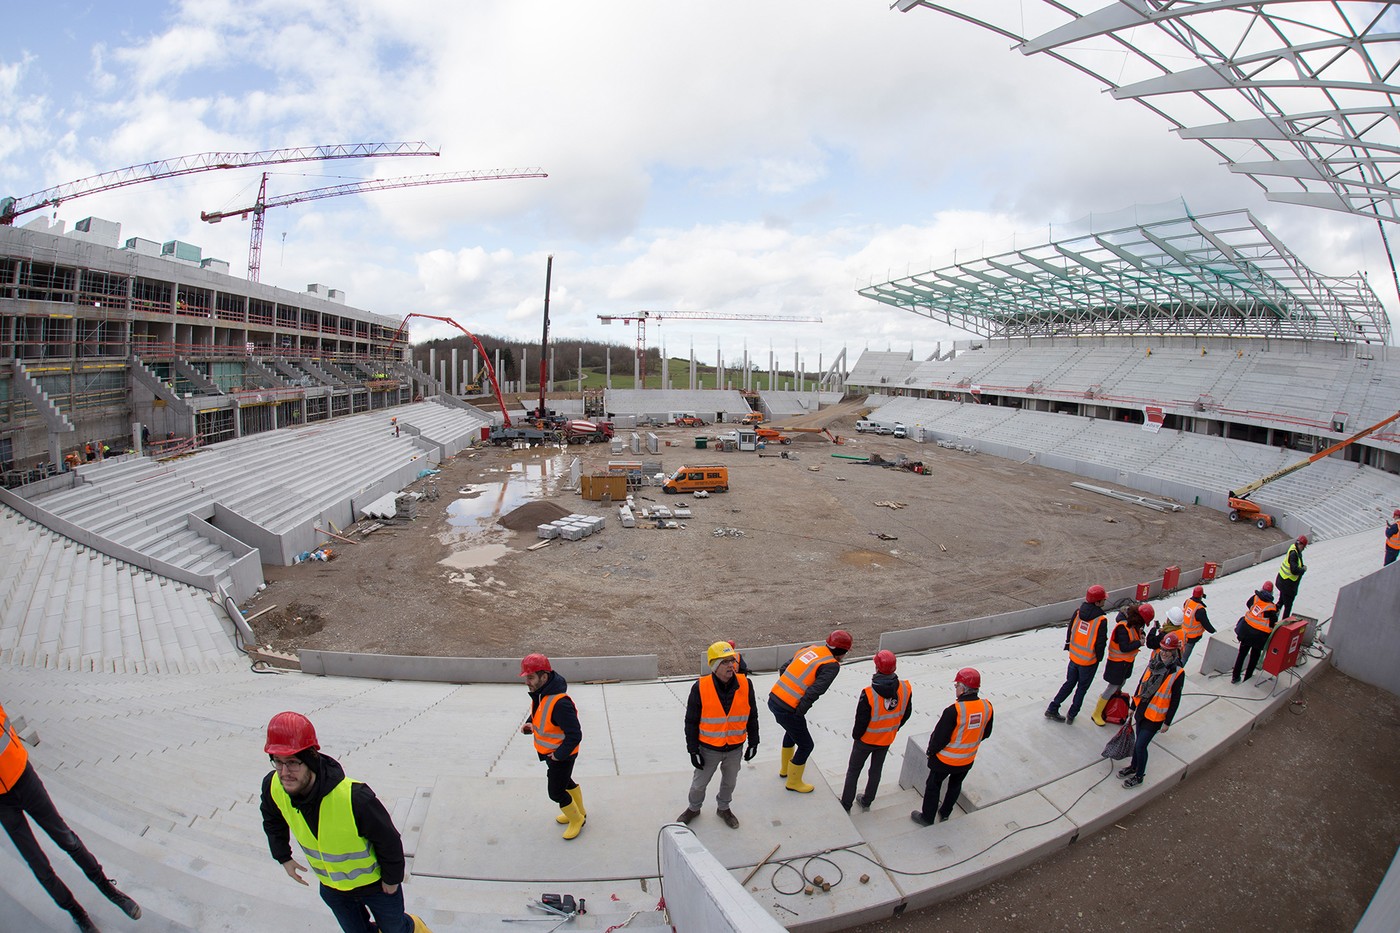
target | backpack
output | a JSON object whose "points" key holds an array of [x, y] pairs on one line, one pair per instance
{"points": [[1116, 709]]}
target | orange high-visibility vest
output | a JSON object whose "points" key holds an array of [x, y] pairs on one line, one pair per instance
{"points": [[13, 755], [801, 673], [1083, 634], [1189, 626], [967, 734], [1161, 700], [1254, 615], [1392, 541], [548, 736], [884, 723], [719, 729], [1114, 652]]}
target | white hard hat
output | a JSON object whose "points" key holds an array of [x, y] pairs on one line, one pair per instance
{"points": [[1175, 615]]}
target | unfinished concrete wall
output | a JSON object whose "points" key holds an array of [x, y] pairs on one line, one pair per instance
{"points": [[1364, 634]]}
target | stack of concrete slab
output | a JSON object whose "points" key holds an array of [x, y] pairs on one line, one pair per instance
{"points": [[574, 527]]}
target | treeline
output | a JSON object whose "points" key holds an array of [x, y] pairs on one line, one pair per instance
{"points": [[566, 354]]}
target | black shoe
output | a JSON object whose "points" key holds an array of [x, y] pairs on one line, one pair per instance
{"points": [[1069, 720], [83, 921], [943, 817], [1234, 680], [127, 905], [1124, 772], [918, 817], [729, 818], [1133, 781], [687, 815], [1054, 714], [864, 802]]}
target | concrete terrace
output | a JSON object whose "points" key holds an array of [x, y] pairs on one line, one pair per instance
{"points": [[158, 770]]}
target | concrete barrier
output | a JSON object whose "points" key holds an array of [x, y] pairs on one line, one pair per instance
{"points": [[471, 670]]}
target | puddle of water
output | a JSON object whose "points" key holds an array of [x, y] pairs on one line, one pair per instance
{"points": [[483, 556], [481, 504]]}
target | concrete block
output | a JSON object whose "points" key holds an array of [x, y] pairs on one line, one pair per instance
{"points": [[547, 532]]}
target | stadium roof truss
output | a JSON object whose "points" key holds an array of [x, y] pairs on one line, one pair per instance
{"points": [[1219, 274], [1299, 96]]}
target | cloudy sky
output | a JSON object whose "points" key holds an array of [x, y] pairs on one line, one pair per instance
{"points": [[725, 156]]}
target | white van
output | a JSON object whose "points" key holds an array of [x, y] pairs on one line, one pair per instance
{"points": [[864, 426], [899, 429]]}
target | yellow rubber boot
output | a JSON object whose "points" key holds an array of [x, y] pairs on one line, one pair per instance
{"points": [[794, 779], [1098, 713], [786, 756], [418, 925], [576, 821], [576, 795]]}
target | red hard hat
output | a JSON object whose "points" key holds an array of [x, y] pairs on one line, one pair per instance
{"points": [[1268, 586], [969, 678], [289, 733], [1096, 594], [1302, 541], [1395, 514], [533, 664], [731, 643], [1171, 641], [1198, 593], [1146, 612], [884, 662], [839, 640]]}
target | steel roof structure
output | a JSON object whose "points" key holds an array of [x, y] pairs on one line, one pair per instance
{"points": [[1299, 96], [1218, 274]]}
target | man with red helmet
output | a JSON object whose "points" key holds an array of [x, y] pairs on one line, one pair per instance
{"points": [[555, 726], [1155, 701], [1123, 646], [881, 709], [952, 747], [1290, 574], [1392, 539], [1084, 640], [345, 833], [1253, 629], [1194, 623], [801, 682], [23, 797], [721, 716]]}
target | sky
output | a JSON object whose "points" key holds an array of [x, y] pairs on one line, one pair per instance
{"points": [[736, 158]]}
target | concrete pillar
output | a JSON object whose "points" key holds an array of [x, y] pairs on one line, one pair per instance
{"points": [[432, 363], [580, 369], [455, 388]]}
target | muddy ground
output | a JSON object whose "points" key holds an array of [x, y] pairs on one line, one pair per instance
{"points": [[823, 542]]}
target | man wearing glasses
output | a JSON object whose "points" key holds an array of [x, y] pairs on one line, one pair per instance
{"points": [[346, 835]]}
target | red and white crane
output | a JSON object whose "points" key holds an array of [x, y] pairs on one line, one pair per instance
{"points": [[641, 317], [263, 202], [12, 207]]}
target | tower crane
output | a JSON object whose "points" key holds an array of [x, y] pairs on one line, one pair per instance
{"points": [[263, 202], [11, 207], [641, 317]]}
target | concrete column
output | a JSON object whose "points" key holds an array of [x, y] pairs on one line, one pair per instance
{"points": [[432, 363], [455, 388]]}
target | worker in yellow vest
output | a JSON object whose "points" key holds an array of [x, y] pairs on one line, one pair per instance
{"points": [[881, 709], [801, 682], [23, 797], [346, 836], [1290, 574], [1392, 539], [555, 726], [1155, 702], [1084, 640], [952, 748], [721, 716]]}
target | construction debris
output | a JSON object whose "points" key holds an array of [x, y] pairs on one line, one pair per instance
{"points": [[884, 537], [891, 505], [1159, 505], [728, 533]]}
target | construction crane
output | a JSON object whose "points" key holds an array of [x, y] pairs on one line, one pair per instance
{"points": [[401, 334], [641, 317], [1241, 508], [540, 414], [263, 202], [11, 207]]}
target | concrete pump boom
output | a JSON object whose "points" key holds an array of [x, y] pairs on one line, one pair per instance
{"points": [[400, 334]]}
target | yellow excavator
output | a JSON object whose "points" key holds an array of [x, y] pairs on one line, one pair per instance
{"points": [[1242, 509]]}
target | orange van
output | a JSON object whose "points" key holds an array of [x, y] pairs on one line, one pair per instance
{"points": [[695, 478]]}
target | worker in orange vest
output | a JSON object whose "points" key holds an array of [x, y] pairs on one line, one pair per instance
{"points": [[555, 726], [1084, 640], [1392, 539], [1123, 647], [952, 748], [23, 797], [1156, 699], [881, 709], [1253, 629], [801, 682], [1195, 622], [720, 717]]}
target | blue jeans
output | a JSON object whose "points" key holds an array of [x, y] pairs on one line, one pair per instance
{"points": [[1146, 732], [353, 908], [795, 730], [1077, 679]]}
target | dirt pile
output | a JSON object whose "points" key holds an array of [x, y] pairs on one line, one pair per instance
{"points": [[532, 514]]}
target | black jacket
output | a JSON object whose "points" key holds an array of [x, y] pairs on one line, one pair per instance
{"points": [[565, 714], [943, 732], [884, 685], [1127, 635], [726, 692], [371, 819]]}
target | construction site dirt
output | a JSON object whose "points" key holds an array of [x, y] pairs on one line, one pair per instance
{"points": [[804, 541]]}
